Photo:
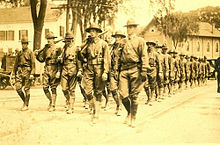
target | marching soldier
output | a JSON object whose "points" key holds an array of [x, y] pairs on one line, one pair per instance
{"points": [[97, 57], [49, 54], [187, 71], [217, 68], [166, 69], [182, 64], [172, 71], [150, 84], [133, 71], [193, 68], [196, 71], [24, 69], [176, 71], [71, 69], [114, 74], [207, 69], [159, 77]]}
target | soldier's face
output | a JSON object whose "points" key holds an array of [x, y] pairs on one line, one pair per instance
{"points": [[24, 45], [131, 30], [118, 39], [50, 41], [93, 33]]}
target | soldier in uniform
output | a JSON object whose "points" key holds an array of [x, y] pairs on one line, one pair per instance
{"points": [[193, 69], [159, 77], [97, 57], [133, 71], [24, 69], [71, 69], [166, 69], [207, 69], [176, 71], [217, 69], [114, 70], [52, 69], [172, 71], [151, 83], [187, 71], [182, 63]]}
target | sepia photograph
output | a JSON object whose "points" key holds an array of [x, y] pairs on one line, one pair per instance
{"points": [[109, 72]]}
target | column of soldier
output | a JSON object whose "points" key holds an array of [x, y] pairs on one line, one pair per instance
{"points": [[125, 67]]}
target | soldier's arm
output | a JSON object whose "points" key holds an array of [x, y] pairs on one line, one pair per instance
{"points": [[160, 70], [144, 56], [78, 61], [32, 63], [16, 63], [107, 58]]}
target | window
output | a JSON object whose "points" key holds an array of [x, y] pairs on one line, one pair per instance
{"points": [[46, 32], [2, 35], [10, 35], [216, 47], [208, 47], [198, 47], [187, 45], [61, 31], [23, 33]]}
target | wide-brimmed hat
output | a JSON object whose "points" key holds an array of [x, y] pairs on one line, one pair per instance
{"points": [[173, 52], [187, 56], [24, 40], [151, 43], [50, 35], [94, 26], [164, 47], [68, 36], [119, 33], [131, 22], [181, 54]]}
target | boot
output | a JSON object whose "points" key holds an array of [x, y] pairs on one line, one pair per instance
{"points": [[70, 109], [97, 109], [27, 99], [133, 115], [21, 94], [53, 100], [48, 95], [147, 91], [24, 108]]}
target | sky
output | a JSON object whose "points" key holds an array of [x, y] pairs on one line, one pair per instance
{"points": [[142, 13]]}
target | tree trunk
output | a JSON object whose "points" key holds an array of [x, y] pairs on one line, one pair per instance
{"points": [[38, 21]]}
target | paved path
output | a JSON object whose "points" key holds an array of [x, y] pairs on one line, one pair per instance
{"points": [[191, 116]]}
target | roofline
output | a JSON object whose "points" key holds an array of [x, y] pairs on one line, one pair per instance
{"points": [[204, 36]]}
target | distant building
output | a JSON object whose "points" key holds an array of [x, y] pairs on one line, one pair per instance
{"points": [[17, 22], [205, 43]]}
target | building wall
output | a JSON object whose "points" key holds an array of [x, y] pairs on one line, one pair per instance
{"points": [[194, 45]]}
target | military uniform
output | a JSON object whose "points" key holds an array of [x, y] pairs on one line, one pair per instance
{"points": [[24, 67], [193, 69], [182, 63], [172, 71], [71, 66], [187, 71], [134, 63], [217, 68], [207, 69], [166, 69], [159, 76], [52, 68], [114, 70], [151, 82], [97, 57]]}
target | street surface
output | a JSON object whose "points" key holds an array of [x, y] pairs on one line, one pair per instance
{"points": [[189, 117]]}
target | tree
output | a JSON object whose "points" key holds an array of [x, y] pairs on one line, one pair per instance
{"points": [[208, 14], [38, 20], [177, 26], [87, 11]]}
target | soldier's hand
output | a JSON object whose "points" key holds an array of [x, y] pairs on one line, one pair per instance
{"points": [[31, 77], [167, 74], [79, 74], [104, 76], [60, 59], [160, 74], [58, 75], [143, 76]]}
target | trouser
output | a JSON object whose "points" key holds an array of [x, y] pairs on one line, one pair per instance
{"points": [[68, 84], [22, 80], [50, 81], [93, 86], [218, 82], [130, 85]]}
